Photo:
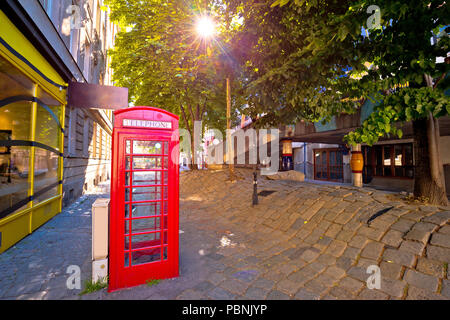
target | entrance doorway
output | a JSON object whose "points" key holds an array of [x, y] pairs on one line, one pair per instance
{"points": [[328, 165]]}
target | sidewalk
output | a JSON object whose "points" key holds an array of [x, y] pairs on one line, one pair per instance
{"points": [[303, 241]]}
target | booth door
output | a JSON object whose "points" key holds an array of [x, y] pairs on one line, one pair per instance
{"points": [[148, 229]]}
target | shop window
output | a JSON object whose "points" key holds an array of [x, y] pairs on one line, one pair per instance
{"points": [[45, 174], [17, 120], [394, 160], [15, 124]]}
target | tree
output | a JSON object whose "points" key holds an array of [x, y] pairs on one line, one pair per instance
{"points": [[160, 58], [311, 59]]}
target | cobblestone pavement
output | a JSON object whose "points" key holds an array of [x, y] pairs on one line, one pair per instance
{"points": [[36, 267], [303, 241]]}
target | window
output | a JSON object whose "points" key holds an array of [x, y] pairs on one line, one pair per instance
{"points": [[24, 152], [390, 160], [86, 137]]}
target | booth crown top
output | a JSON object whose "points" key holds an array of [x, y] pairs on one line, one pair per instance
{"points": [[145, 108]]}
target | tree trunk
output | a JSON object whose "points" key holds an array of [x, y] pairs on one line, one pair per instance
{"points": [[429, 172]]}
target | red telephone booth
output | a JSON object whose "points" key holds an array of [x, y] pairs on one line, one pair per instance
{"points": [[143, 227]]}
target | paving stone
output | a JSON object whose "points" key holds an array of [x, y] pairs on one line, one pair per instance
{"points": [[335, 272], [246, 275], [431, 267], [403, 258], [391, 270], [392, 287], [439, 239], [216, 278], [421, 280], [351, 252], [310, 255], [445, 229], [256, 293], [352, 285], [326, 259], [417, 235], [439, 218], [190, 295], [371, 233], [345, 263], [277, 295], [304, 294], [438, 253], [316, 286], [288, 286], [372, 250], [333, 230], [358, 273], [345, 235], [358, 241], [372, 294], [393, 238], [336, 248], [264, 283], [341, 293], [415, 293], [403, 225], [204, 286], [414, 247], [445, 291], [220, 294]]}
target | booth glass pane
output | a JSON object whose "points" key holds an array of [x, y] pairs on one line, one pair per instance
{"points": [[127, 179], [166, 147], [146, 209], [165, 237], [14, 183], [127, 243], [146, 240], [147, 147], [45, 174], [127, 259], [127, 210], [166, 193], [165, 253], [146, 224], [165, 222], [127, 227], [166, 207], [166, 162], [146, 178], [166, 177], [146, 193], [127, 163], [127, 194], [140, 163], [128, 147], [145, 256]]}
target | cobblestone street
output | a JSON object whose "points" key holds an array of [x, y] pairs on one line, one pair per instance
{"points": [[302, 241]]}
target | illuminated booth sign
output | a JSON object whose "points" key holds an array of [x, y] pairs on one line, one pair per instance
{"points": [[144, 197]]}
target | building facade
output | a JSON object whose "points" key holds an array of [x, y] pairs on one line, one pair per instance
{"points": [[50, 152], [321, 154]]}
